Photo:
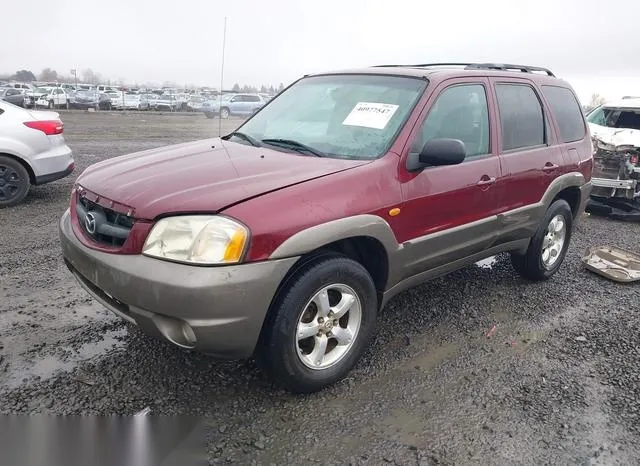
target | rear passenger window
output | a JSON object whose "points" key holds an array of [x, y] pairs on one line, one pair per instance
{"points": [[567, 111], [521, 117]]}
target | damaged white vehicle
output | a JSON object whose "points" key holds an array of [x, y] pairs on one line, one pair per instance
{"points": [[615, 130]]}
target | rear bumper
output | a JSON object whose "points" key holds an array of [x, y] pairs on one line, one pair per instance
{"points": [[52, 164], [216, 310], [42, 179]]}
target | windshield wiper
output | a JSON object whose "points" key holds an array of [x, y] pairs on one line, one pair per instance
{"points": [[295, 145], [246, 137]]}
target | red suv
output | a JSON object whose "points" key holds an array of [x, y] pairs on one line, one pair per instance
{"points": [[285, 238]]}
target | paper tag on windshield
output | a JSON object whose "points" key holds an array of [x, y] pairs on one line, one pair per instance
{"points": [[370, 115]]}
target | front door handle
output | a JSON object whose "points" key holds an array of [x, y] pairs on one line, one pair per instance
{"points": [[486, 180], [548, 167]]}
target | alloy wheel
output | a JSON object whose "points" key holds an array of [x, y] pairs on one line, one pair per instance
{"points": [[328, 326], [553, 241]]}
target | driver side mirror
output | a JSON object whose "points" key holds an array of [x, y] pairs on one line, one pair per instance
{"points": [[437, 152]]}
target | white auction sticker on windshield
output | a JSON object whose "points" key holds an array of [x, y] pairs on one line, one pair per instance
{"points": [[370, 115]]}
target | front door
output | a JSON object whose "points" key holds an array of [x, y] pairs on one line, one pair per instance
{"points": [[449, 211]]}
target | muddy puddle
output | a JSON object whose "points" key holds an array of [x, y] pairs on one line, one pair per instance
{"points": [[64, 359]]}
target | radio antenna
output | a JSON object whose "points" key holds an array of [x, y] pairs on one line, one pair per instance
{"points": [[224, 43]]}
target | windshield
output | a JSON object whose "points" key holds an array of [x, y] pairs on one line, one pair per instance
{"points": [[615, 117], [349, 116]]}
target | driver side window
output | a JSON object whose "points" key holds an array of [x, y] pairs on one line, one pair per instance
{"points": [[459, 112]]}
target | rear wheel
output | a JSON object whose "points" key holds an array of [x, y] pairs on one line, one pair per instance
{"points": [[51, 104], [549, 245], [14, 182], [322, 323]]}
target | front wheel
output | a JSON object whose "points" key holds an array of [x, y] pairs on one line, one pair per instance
{"points": [[549, 245], [320, 325], [224, 113], [51, 104]]}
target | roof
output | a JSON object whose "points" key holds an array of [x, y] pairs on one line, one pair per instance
{"points": [[624, 103], [446, 70]]}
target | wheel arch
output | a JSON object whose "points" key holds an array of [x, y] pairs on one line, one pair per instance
{"points": [[367, 239], [24, 163], [568, 187]]}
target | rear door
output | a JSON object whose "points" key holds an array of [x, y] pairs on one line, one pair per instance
{"points": [[529, 156], [241, 106], [449, 211]]}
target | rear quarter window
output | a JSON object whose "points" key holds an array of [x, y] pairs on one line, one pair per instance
{"points": [[567, 111]]}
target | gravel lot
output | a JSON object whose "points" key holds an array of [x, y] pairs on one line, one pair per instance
{"points": [[433, 389]]}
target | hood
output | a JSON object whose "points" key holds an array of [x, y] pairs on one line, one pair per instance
{"points": [[201, 176], [615, 137]]}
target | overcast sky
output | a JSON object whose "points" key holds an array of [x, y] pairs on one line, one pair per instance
{"points": [[592, 43]]}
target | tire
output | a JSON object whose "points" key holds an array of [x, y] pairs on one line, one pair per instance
{"points": [[14, 182], [51, 104], [290, 361], [209, 114], [224, 113], [537, 265]]}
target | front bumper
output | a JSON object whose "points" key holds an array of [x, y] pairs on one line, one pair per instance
{"points": [[215, 310]]}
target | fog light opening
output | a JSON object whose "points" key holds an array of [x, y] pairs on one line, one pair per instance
{"points": [[176, 331]]}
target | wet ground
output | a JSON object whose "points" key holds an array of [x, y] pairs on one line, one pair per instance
{"points": [[480, 367]]}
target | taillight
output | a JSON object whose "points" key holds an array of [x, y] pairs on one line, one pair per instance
{"points": [[48, 127]]}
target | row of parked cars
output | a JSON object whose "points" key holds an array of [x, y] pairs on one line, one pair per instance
{"points": [[110, 98]]}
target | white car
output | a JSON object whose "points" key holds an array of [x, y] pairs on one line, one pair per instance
{"points": [[32, 151], [135, 102], [56, 98], [117, 99], [615, 130]]}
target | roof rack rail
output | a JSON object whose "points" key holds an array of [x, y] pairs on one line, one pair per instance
{"points": [[481, 66]]}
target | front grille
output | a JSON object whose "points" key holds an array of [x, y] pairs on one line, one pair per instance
{"points": [[103, 225]]}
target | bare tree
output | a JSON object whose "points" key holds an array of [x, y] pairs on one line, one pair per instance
{"points": [[89, 77], [49, 75], [596, 100], [23, 75]]}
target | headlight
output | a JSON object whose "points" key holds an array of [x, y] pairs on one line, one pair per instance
{"points": [[197, 239]]}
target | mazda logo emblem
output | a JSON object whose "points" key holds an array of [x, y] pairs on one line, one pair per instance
{"points": [[90, 222]]}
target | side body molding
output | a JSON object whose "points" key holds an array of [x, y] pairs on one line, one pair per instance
{"points": [[427, 257], [366, 225]]}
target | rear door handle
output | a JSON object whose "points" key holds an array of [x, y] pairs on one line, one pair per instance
{"points": [[549, 167], [486, 180]]}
